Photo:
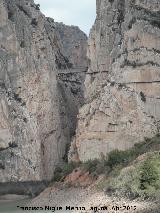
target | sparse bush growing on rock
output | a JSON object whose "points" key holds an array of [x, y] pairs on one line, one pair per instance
{"points": [[117, 157], [139, 180], [148, 175], [90, 165], [61, 172], [57, 175], [96, 167], [142, 180]]}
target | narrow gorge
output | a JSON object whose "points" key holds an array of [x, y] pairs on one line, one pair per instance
{"points": [[65, 97]]}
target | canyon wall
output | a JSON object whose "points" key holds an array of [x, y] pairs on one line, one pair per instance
{"points": [[71, 80], [35, 124], [44, 81], [123, 80]]}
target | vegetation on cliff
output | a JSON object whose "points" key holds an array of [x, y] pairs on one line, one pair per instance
{"points": [[132, 173], [141, 179]]}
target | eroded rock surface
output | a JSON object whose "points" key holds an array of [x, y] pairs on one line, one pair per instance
{"points": [[123, 79], [33, 135], [74, 43], [71, 79]]}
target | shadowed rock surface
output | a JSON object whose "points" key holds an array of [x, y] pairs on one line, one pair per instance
{"points": [[74, 43], [35, 119], [71, 79]]}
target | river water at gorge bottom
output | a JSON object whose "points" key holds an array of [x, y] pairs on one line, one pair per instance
{"points": [[11, 206]]}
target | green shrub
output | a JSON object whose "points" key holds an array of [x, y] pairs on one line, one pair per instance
{"points": [[141, 180], [57, 175], [135, 183], [96, 167], [117, 157], [90, 165], [148, 175], [68, 168], [61, 172]]}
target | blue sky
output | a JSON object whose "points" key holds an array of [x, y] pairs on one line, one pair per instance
{"points": [[81, 13]]}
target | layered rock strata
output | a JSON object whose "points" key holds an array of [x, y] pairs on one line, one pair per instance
{"points": [[71, 79], [33, 136], [123, 79]]}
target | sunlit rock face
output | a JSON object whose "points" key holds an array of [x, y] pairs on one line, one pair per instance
{"points": [[35, 124], [123, 80]]}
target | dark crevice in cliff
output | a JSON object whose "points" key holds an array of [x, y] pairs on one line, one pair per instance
{"points": [[3, 149], [152, 17], [11, 145], [68, 110], [121, 11], [119, 19], [62, 62], [143, 82], [72, 72], [155, 51], [21, 8], [126, 52], [98, 72], [72, 82], [154, 23], [3, 86], [2, 166], [111, 1], [135, 64]]}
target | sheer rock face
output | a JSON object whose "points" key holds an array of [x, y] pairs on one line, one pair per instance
{"points": [[74, 43], [33, 135], [71, 79], [123, 79]]}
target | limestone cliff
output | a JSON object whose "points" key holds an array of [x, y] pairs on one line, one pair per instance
{"points": [[71, 80], [74, 43], [33, 134], [123, 80]]}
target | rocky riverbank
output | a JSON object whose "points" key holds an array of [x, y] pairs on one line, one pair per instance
{"points": [[78, 199]]}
